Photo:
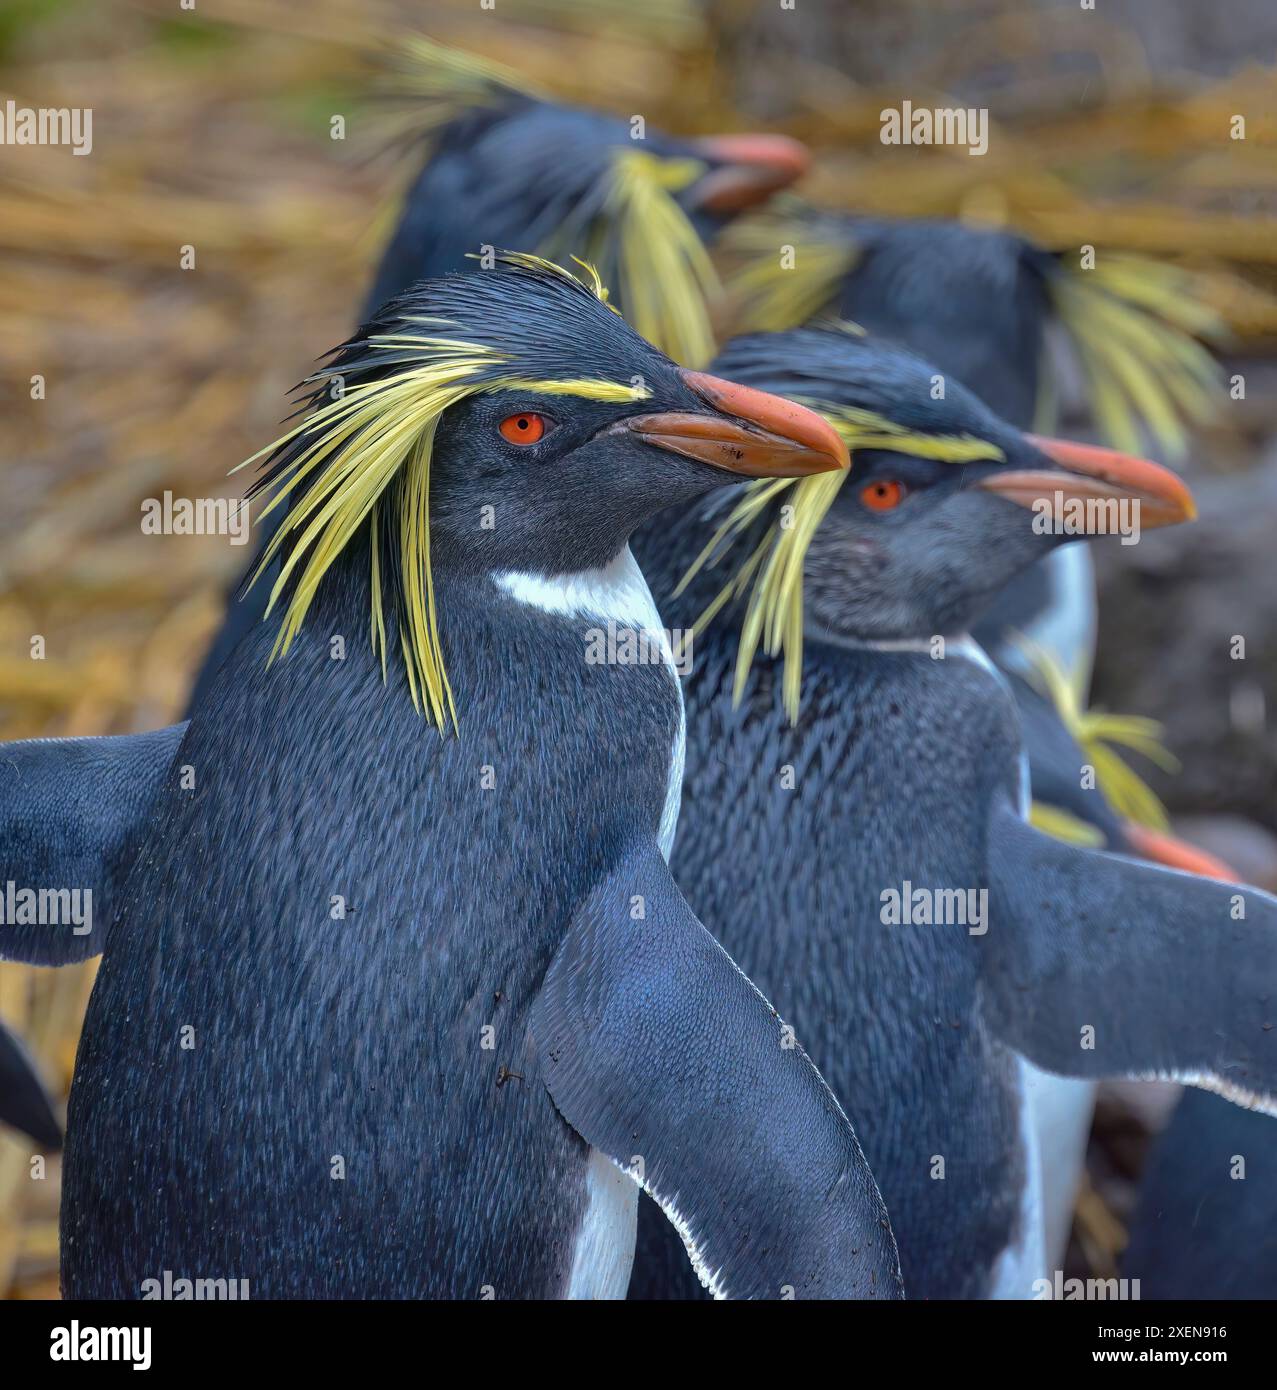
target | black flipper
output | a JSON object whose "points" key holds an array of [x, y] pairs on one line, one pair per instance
{"points": [[24, 1103], [70, 810], [655, 1047], [1156, 962]]}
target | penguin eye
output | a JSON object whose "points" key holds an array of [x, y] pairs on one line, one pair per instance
{"points": [[524, 428], [883, 495]]}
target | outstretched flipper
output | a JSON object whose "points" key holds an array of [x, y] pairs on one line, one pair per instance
{"points": [[24, 1103], [1101, 966], [70, 810], [661, 1054]]}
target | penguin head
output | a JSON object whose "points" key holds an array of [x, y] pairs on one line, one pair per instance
{"points": [[551, 166], [977, 302], [506, 421], [509, 166], [943, 505]]}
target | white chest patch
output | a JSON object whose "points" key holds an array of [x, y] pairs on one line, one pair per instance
{"points": [[604, 1253], [1060, 1108], [1025, 1260], [616, 593]]}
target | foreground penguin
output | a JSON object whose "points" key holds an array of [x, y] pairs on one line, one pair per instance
{"points": [[870, 862], [504, 165], [395, 1006], [67, 810]]}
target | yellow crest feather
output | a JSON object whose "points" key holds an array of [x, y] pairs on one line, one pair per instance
{"points": [[653, 254], [1135, 325], [774, 567], [788, 271], [371, 446], [1094, 731]]}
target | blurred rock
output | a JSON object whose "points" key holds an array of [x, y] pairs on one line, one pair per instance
{"points": [[1171, 608]]}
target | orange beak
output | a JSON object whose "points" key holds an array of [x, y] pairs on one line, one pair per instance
{"points": [[1160, 848], [750, 169], [1094, 474], [745, 431]]}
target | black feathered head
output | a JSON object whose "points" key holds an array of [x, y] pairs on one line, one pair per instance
{"points": [[919, 534], [530, 387], [508, 166], [976, 302]]}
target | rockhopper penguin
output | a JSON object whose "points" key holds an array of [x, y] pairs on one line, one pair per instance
{"points": [[501, 164], [404, 1006], [936, 953], [991, 309]]}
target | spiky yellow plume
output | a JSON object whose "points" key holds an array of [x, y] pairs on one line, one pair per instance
{"points": [[371, 448], [624, 216], [437, 84], [1135, 324], [774, 567], [789, 268], [1094, 731], [423, 86], [653, 254]]}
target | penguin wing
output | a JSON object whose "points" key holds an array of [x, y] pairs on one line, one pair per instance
{"points": [[658, 1051], [70, 810], [24, 1103], [1100, 966]]}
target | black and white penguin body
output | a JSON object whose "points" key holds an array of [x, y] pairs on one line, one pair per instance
{"points": [[398, 1006], [349, 934], [864, 850]]}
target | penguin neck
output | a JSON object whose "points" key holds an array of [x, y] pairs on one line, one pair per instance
{"points": [[666, 547], [616, 590]]}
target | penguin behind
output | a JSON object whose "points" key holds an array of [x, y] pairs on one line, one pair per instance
{"points": [[398, 979], [991, 309], [901, 886], [507, 165]]}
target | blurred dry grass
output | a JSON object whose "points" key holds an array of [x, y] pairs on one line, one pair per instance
{"points": [[215, 135]]}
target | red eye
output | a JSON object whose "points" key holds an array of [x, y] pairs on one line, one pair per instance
{"points": [[523, 428], [882, 495]]}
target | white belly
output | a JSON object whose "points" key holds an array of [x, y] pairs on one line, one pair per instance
{"points": [[604, 1253], [1055, 1121], [1024, 1261]]}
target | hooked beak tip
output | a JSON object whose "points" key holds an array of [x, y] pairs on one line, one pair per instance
{"points": [[745, 431], [1090, 474], [749, 169]]}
